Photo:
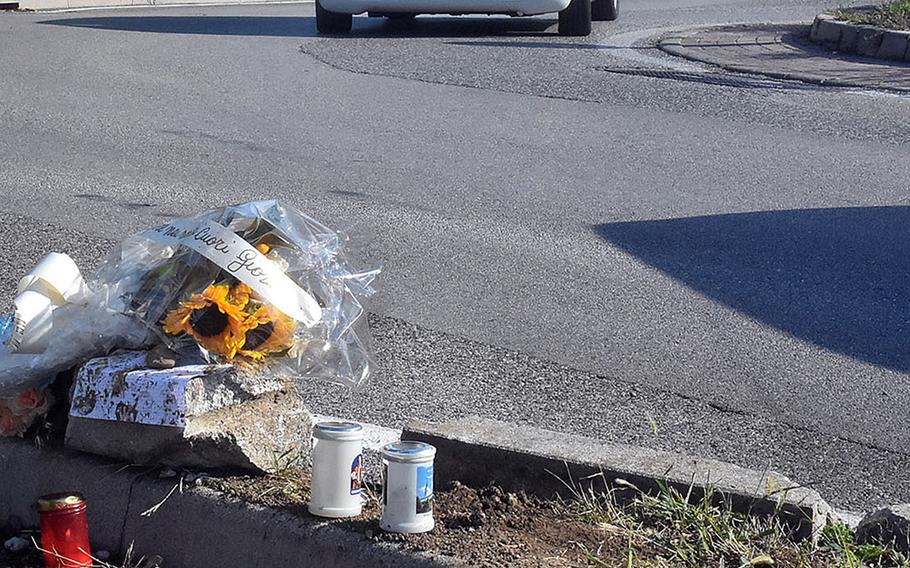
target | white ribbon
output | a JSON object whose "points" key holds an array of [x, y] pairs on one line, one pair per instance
{"points": [[238, 257]]}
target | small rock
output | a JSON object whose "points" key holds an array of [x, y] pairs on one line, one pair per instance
{"points": [[888, 527], [103, 555], [161, 357], [167, 473], [16, 544]]}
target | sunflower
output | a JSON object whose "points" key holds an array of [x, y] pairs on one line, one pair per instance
{"points": [[240, 295], [267, 331], [211, 319]]}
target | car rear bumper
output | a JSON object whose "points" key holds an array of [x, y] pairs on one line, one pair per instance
{"points": [[512, 7]]}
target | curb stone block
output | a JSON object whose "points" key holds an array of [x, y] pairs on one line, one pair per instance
{"points": [[848, 39], [864, 40], [828, 33], [888, 527], [198, 528], [813, 31], [868, 40], [479, 451], [894, 45], [29, 472]]}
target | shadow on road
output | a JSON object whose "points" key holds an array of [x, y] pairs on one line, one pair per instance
{"points": [[551, 45], [839, 278], [305, 26]]}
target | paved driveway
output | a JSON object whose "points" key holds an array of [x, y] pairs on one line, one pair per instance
{"points": [[679, 264]]}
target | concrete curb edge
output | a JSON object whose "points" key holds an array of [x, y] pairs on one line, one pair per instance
{"points": [[62, 6], [673, 44], [474, 451], [478, 451], [860, 39], [199, 528]]}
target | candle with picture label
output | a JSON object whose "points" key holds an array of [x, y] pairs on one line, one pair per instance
{"points": [[337, 481], [407, 487]]}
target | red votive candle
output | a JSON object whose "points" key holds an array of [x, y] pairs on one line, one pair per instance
{"points": [[64, 531]]}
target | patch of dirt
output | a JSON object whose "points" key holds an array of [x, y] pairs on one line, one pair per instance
{"points": [[489, 527], [486, 527], [288, 492]]}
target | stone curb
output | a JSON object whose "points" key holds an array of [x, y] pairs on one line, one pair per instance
{"points": [[675, 44], [64, 5], [478, 451], [203, 528], [199, 528], [858, 39]]}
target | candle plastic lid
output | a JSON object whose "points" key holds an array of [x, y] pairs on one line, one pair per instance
{"points": [[339, 426], [335, 430], [408, 451], [56, 501]]}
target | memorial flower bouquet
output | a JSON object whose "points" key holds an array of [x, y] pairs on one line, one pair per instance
{"points": [[258, 284], [230, 319], [254, 284]]}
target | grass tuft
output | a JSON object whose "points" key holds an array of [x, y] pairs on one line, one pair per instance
{"points": [[676, 529], [893, 15]]}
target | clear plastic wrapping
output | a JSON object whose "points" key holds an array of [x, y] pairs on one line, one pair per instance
{"points": [[259, 284]]}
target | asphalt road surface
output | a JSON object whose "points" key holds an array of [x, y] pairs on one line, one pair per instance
{"points": [[684, 265]]}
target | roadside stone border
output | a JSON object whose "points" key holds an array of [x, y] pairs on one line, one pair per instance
{"points": [[859, 39], [200, 528], [784, 51], [478, 451], [54, 5], [203, 528]]}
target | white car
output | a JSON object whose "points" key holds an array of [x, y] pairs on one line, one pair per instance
{"points": [[334, 16]]}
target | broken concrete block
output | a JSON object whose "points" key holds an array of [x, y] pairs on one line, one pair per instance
{"points": [[888, 527], [193, 416]]}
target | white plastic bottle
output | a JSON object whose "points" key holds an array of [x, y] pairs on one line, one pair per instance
{"points": [[407, 487], [335, 490]]}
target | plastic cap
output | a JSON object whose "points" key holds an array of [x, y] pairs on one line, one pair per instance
{"points": [[407, 451], [334, 430]]}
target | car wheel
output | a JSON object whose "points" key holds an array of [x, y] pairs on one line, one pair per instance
{"points": [[331, 22], [604, 10], [575, 20]]}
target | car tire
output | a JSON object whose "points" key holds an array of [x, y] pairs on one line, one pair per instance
{"points": [[331, 22], [604, 10], [575, 20]]}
